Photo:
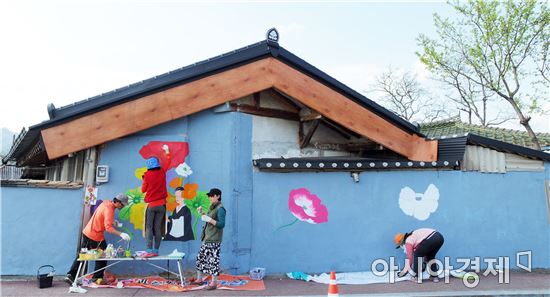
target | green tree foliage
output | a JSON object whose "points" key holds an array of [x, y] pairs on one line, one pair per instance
{"points": [[499, 46]]}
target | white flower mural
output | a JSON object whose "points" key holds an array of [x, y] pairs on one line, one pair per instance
{"points": [[183, 170], [419, 205]]}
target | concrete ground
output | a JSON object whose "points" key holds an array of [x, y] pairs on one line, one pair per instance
{"points": [[521, 284]]}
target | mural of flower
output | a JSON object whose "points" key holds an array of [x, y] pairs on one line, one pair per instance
{"points": [[140, 172], [137, 215], [190, 191], [135, 210], [200, 200], [171, 203], [173, 181], [419, 205], [184, 170], [169, 153], [306, 207]]}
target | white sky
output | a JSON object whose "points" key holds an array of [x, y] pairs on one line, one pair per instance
{"points": [[65, 51]]}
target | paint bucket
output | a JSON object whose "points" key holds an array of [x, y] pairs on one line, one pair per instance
{"points": [[257, 273], [45, 279]]}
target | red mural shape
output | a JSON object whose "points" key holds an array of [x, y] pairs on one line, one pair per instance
{"points": [[178, 152]]}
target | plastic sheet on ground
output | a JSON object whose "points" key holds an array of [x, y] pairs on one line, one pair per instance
{"points": [[353, 278]]}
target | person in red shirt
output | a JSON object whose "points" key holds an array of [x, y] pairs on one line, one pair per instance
{"points": [[154, 187], [92, 236]]}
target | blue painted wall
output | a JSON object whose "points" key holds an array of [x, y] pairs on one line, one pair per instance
{"points": [[217, 160], [39, 226], [485, 215]]}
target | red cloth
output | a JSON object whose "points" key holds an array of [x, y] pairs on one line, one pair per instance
{"points": [[154, 187]]}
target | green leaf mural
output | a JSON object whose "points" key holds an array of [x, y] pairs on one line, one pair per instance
{"points": [[200, 200]]}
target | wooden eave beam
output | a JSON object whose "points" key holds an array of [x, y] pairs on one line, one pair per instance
{"points": [[351, 115], [152, 110]]}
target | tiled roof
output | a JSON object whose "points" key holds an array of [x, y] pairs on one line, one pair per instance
{"points": [[456, 127]]}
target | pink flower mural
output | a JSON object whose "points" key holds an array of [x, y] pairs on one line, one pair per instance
{"points": [[306, 207]]}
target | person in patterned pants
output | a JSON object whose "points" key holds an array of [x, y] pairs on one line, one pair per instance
{"points": [[208, 259]]}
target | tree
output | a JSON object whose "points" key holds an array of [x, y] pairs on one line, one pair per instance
{"points": [[474, 100], [498, 46], [406, 97]]}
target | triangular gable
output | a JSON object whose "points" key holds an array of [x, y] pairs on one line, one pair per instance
{"points": [[154, 109]]}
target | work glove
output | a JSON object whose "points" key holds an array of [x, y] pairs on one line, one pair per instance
{"points": [[206, 218], [166, 149], [125, 236]]}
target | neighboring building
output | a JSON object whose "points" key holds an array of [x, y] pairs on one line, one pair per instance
{"points": [[315, 177], [455, 126], [7, 141]]}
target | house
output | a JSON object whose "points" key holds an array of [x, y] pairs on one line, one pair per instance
{"points": [[454, 126], [315, 176]]}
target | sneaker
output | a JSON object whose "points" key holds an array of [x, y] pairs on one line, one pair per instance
{"points": [[69, 278], [211, 287]]}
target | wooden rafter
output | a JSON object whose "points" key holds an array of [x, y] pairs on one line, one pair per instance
{"points": [[346, 133], [154, 109], [256, 99], [264, 111], [284, 100], [305, 139]]}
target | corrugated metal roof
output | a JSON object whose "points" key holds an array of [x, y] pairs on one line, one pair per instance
{"points": [[453, 147]]}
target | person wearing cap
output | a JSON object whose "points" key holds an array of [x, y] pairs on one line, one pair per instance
{"points": [[208, 258], [154, 187], [93, 234], [419, 245]]}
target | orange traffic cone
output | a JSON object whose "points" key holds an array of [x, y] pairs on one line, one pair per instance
{"points": [[332, 285]]}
